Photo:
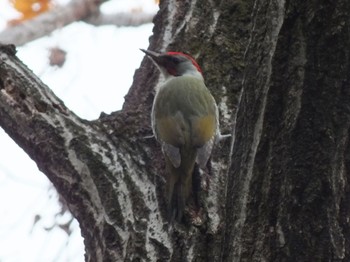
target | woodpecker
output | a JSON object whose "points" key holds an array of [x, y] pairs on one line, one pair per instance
{"points": [[185, 122]]}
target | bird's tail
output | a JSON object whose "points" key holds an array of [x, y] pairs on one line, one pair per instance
{"points": [[179, 186]]}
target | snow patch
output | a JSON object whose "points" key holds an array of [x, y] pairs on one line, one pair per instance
{"points": [[223, 105], [216, 15], [213, 199], [187, 18], [155, 224], [168, 35]]}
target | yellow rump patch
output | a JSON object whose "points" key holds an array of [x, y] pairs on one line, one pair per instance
{"points": [[203, 129]]}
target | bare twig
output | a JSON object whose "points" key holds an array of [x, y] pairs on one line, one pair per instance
{"points": [[120, 19]]}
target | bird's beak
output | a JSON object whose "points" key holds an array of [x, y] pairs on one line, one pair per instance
{"points": [[153, 55], [160, 60]]}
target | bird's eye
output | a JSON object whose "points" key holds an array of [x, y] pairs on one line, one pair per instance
{"points": [[175, 59]]}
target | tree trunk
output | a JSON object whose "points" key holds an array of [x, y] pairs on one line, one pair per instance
{"points": [[279, 191], [288, 189]]}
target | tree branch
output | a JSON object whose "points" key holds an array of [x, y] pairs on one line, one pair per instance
{"points": [[92, 171], [61, 16], [120, 19]]}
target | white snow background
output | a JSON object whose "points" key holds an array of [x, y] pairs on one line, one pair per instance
{"points": [[98, 72]]}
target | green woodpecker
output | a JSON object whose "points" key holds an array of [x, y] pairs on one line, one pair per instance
{"points": [[185, 122]]}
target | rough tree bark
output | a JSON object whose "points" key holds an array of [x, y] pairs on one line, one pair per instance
{"points": [[278, 192]]}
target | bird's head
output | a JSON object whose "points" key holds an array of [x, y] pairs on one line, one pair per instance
{"points": [[173, 64]]}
